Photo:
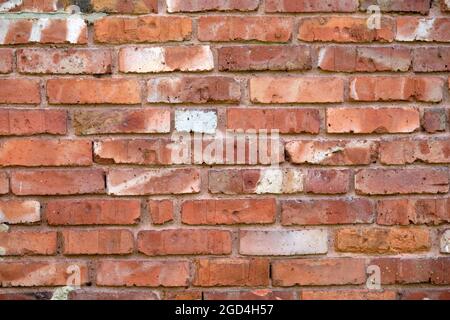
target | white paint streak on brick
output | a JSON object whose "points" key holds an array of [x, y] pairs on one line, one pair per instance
{"points": [[196, 121], [283, 243], [4, 28], [75, 25], [445, 242], [353, 92], [171, 5], [36, 30], [4, 227], [9, 5], [277, 181], [423, 30], [322, 54], [121, 189]]}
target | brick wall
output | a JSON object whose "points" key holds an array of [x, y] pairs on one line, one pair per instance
{"points": [[93, 108]]}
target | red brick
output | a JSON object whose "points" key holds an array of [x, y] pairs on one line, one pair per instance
{"points": [[261, 294], [119, 6], [39, 295], [19, 212], [410, 151], [413, 211], [113, 296], [318, 272], [6, 60], [93, 212], [135, 273], [331, 152], [302, 6], [423, 29], [372, 120], [228, 211], [77, 242], [143, 29], [296, 90], [410, 271], [325, 212], [425, 294], [239, 28], [431, 59], [364, 59], [348, 295], [161, 211], [4, 183], [413, 6], [30, 6], [71, 30], [193, 90], [256, 181], [262, 58], [285, 120], [40, 273], [123, 182], [20, 243], [424, 89], [382, 240], [64, 61], [183, 242], [35, 153], [57, 182], [30, 122], [93, 91], [231, 272], [434, 120], [401, 181], [211, 5], [327, 181], [155, 120], [183, 295], [20, 91], [344, 29]]}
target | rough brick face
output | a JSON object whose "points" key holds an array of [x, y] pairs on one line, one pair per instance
{"points": [[224, 149]]}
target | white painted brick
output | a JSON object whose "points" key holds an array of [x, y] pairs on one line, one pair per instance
{"points": [[445, 242], [196, 121]]}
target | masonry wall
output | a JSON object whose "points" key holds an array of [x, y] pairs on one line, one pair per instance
{"points": [[92, 188]]}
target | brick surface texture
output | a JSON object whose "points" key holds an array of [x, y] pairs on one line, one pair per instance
{"points": [[116, 163]]}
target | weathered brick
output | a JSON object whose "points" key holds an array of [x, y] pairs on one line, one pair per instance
{"points": [[199, 121], [4, 183], [19, 212], [261, 294], [64, 61], [425, 294], [424, 89], [92, 212], [331, 152], [193, 90], [137, 273], [142, 29], [262, 58], [119, 6], [382, 240], [29, 6], [355, 294], [134, 151], [431, 59], [413, 6], [296, 90], [287, 120], [445, 5], [40, 273], [327, 181], [401, 181], [113, 296], [283, 243], [123, 182], [35, 153], [410, 151], [372, 120], [231, 272], [364, 59], [318, 272], [444, 242], [323, 212], [344, 29], [240, 28], [71, 30], [255, 181], [77, 242], [211, 5], [19, 243], [155, 120], [228, 211], [183, 295], [30, 122], [93, 91], [433, 29], [6, 60], [20, 91], [302, 6], [161, 211], [184, 241], [434, 120], [57, 182], [413, 211], [165, 59]]}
